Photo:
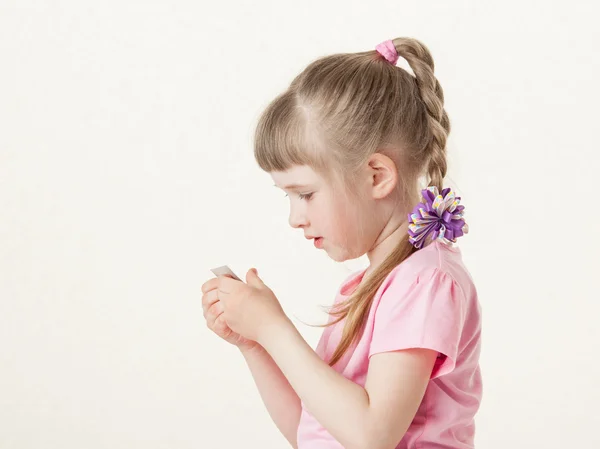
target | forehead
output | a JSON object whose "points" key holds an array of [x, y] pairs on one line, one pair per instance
{"points": [[299, 175]]}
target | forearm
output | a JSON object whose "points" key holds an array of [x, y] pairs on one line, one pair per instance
{"points": [[280, 399], [340, 405]]}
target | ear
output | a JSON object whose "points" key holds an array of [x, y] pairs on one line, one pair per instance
{"points": [[383, 175]]}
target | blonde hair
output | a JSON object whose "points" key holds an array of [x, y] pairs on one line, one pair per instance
{"points": [[338, 112]]}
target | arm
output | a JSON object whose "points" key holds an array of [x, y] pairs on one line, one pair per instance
{"points": [[278, 396], [282, 402], [374, 417]]}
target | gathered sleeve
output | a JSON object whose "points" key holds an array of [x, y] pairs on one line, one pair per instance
{"points": [[427, 313]]}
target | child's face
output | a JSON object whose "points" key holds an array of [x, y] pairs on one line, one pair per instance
{"points": [[348, 228]]}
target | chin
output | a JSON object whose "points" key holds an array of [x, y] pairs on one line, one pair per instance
{"points": [[338, 258], [342, 256]]}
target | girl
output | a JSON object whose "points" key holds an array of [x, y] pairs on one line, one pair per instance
{"points": [[397, 365]]}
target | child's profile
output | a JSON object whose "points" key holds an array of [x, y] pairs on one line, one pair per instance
{"points": [[359, 146]]}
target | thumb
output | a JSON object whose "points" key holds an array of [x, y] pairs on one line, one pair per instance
{"points": [[253, 279]]}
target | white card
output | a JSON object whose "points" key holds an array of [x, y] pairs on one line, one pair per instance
{"points": [[221, 271]]}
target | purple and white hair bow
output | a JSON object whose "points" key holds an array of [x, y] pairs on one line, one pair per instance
{"points": [[439, 216]]}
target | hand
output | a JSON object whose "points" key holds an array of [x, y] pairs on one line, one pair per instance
{"points": [[250, 308], [212, 309]]}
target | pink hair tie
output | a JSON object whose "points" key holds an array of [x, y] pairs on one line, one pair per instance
{"points": [[387, 49]]}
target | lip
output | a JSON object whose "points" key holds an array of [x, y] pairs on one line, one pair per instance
{"points": [[318, 242]]}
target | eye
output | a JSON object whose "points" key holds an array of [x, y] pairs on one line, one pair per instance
{"points": [[307, 196]]}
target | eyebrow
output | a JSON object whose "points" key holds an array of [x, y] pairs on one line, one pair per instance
{"points": [[293, 186]]}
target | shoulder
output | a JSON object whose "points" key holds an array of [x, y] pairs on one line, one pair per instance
{"points": [[436, 263]]}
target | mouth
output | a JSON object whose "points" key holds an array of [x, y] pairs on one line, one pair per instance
{"points": [[317, 241]]}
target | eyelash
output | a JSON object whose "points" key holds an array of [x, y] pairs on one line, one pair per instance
{"points": [[307, 196]]}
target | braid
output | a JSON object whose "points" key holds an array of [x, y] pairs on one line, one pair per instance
{"points": [[421, 62]]}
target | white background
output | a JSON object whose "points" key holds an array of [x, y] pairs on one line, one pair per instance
{"points": [[126, 172]]}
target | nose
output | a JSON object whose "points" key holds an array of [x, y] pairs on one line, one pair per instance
{"points": [[297, 218]]}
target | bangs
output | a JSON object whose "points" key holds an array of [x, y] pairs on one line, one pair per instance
{"points": [[284, 138]]}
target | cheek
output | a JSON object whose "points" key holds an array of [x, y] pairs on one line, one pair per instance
{"points": [[356, 230], [343, 224]]}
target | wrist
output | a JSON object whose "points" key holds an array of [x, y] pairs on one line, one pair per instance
{"points": [[247, 350], [273, 331]]}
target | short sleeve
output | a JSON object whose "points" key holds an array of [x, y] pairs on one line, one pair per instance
{"points": [[429, 313]]}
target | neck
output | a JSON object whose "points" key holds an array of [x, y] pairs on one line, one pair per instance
{"points": [[387, 241]]}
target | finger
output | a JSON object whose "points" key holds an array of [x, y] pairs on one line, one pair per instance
{"points": [[216, 309], [229, 276], [253, 279], [213, 310], [227, 284], [213, 314], [209, 285], [208, 299], [220, 326]]}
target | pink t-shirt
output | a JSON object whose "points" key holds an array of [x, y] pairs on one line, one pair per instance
{"points": [[428, 301]]}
